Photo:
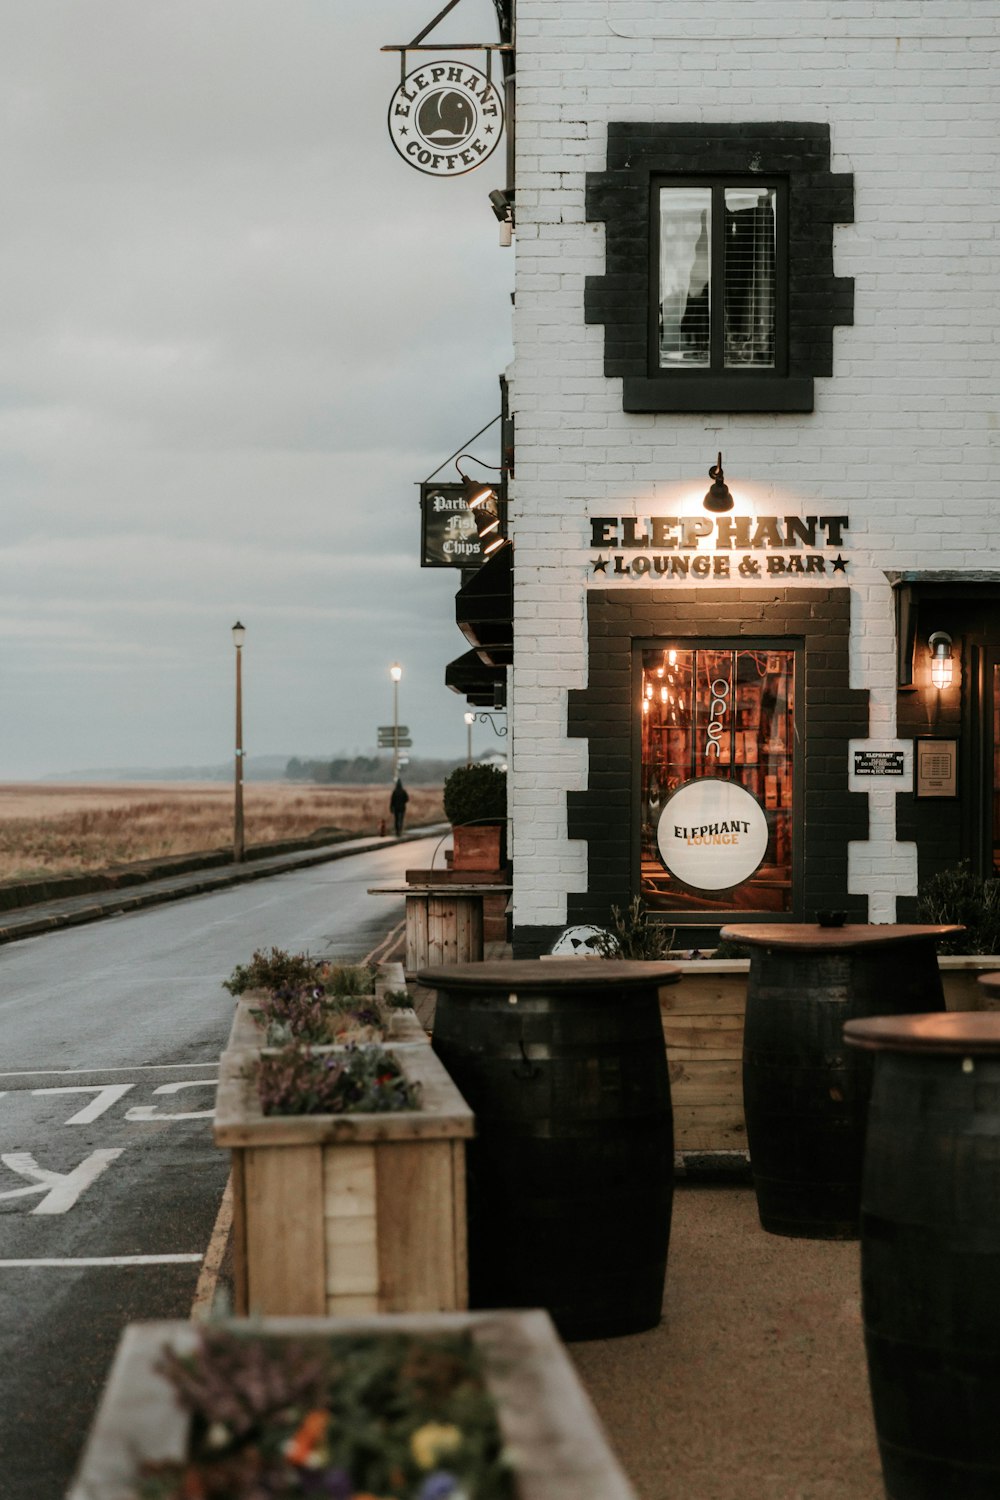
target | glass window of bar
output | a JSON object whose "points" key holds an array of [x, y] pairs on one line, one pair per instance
{"points": [[717, 277], [754, 748]]}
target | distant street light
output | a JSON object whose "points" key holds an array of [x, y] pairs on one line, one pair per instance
{"points": [[395, 672], [239, 634], [470, 719]]}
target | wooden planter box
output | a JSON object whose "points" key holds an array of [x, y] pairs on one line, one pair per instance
{"points": [[703, 1029], [347, 1214], [557, 1446]]}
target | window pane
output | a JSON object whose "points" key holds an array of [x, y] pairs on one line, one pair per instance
{"points": [[685, 275], [726, 713], [749, 277]]}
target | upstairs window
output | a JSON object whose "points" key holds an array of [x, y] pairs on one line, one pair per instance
{"points": [[719, 293], [717, 304]]}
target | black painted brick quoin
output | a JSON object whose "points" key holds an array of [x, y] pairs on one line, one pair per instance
{"points": [[621, 197], [829, 816]]}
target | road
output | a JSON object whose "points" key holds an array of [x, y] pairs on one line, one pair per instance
{"points": [[109, 1181]]}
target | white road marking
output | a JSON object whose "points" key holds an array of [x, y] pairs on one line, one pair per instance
{"points": [[61, 1189], [105, 1095], [106, 1260], [138, 1068], [146, 1112]]}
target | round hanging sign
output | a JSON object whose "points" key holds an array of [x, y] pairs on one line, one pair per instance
{"points": [[446, 118], [712, 834]]}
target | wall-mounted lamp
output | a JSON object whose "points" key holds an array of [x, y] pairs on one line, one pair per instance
{"points": [[942, 666], [482, 499], [719, 497]]}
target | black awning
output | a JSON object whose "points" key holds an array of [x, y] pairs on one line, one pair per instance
{"points": [[481, 685], [484, 609]]}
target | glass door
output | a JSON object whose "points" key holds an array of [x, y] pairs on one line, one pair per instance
{"points": [[723, 714]]}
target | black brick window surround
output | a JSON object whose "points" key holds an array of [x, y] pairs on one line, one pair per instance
{"points": [[817, 300], [828, 816]]}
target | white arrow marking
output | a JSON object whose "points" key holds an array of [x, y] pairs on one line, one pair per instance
{"points": [[147, 1112], [105, 1095], [61, 1189]]}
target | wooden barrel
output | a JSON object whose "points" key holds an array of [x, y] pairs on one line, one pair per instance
{"points": [[930, 1252], [805, 1094], [570, 1173]]}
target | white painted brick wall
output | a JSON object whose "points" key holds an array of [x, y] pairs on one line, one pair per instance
{"points": [[905, 435]]}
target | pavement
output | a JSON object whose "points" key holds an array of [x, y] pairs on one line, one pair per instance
{"points": [[752, 1387], [93, 906]]}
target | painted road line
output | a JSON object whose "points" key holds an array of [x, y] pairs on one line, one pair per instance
{"points": [[208, 1281], [84, 1072], [70, 1261]]}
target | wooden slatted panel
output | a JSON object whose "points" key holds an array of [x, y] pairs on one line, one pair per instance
{"points": [[349, 1211], [285, 1240], [417, 1227], [454, 929], [703, 1030]]}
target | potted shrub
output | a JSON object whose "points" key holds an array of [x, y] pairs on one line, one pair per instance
{"points": [[348, 1179], [957, 894], [475, 804], [449, 1407]]}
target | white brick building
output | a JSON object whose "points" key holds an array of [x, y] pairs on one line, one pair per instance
{"points": [[767, 229]]}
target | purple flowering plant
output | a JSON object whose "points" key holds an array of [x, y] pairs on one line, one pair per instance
{"points": [[352, 1417], [296, 1080]]}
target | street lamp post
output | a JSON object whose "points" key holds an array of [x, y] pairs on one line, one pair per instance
{"points": [[395, 672], [239, 634], [470, 719]]}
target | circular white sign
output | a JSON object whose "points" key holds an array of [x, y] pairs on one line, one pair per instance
{"points": [[712, 834], [446, 118]]}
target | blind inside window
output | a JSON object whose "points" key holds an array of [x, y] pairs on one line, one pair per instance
{"points": [[685, 276], [749, 277]]}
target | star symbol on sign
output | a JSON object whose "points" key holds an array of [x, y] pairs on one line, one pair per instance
{"points": [[488, 129], [601, 565], [839, 564]]}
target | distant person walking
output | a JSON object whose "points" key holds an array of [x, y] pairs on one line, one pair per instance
{"points": [[397, 805]]}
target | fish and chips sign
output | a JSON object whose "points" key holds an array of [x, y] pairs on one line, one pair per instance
{"points": [[446, 118]]}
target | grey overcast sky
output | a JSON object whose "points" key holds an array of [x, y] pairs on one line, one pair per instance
{"points": [[235, 329]]}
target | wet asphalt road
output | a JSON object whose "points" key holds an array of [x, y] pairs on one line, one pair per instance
{"points": [[109, 1181]]}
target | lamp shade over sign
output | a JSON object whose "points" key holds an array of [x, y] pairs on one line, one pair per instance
{"points": [[712, 834]]}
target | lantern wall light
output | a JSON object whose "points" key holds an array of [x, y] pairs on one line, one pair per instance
{"points": [[942, 664]]}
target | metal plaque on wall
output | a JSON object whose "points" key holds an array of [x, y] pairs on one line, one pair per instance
{"points": [[448, 536]]}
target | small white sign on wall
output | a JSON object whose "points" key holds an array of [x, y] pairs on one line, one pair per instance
{"points": [[712, 834]]}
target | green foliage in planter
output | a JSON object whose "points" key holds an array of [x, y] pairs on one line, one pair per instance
{"points": [[631, 934], [959, 895], [476, 794], [279, 972], [396, 1416], [398, 999], [357, 1080], [272, 971], [310, 1015], [347, 979]]}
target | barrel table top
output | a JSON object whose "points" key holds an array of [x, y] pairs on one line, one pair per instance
{"points": [[990, 983], [961, 1031], [811, 936], [568, 975]]}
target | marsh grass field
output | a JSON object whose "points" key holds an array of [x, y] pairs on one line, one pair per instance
{"points": [[68, 829]]}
